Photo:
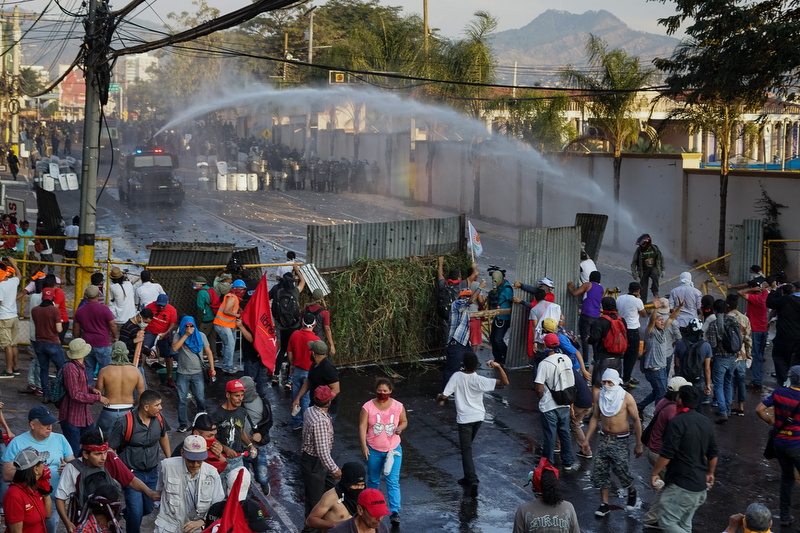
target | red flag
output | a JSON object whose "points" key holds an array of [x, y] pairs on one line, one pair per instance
{"points": [[257, 316], [233, 520]]}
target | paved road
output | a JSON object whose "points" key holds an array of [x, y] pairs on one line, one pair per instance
{"points": [[505, 447]]}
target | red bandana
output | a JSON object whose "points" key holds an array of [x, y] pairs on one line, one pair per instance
{"points": [[93, 448]]}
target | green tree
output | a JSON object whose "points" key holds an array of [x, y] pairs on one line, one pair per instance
{"points": [[537, 119], [29, 81], [620, 74]]}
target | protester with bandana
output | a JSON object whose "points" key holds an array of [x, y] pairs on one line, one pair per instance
{"points": [[190, 344], [381, 421], [614, 409], [341, 502], [785, 424], [204, 426], [547, 511], [100, 511], [95, 457]]}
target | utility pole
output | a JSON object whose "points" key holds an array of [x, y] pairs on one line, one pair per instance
{"points": [[425, 31], [94, 56], [514, 90], [14, 102], [307, 147], [285, 54]]}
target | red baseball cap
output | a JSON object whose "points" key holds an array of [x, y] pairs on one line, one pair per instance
{"points": [[373, 501], [551, 340], [234, 385], [48, 293]]}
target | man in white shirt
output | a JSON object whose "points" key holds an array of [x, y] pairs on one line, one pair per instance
{"points": [[631, 308], [147, 292], [71, 246], [291, 257], [554, 373], [468, 388], [587, 267], [9, 319]]}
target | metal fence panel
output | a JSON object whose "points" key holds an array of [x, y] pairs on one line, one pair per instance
{"points": [[592, 226], [339, 246], [748, 243], [551, 252]]}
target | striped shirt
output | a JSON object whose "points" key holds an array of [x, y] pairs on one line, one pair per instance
{"points": [[318, 436], [785, 400]]}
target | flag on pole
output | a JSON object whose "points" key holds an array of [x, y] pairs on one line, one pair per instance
{"points": [[257, 316], [475, 240], [233, 519]]}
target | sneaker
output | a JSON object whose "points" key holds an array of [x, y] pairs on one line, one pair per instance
{"points": [[574, 467], [740, 412], [15, 372], [170, 383], [754, 386], [288, 386], [706, 401], [395, 518], [297, 428], [634, 381], [631, 498], [231, 371], [6, 375], [629, 386], [38, 392], [274, 380], [584, 455], [265, 489], [30, 389], [715, 403], [723, 417], [183, 429], [603, 510]]}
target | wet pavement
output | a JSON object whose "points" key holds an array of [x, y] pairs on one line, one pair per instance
{"points": [[506, 443]]}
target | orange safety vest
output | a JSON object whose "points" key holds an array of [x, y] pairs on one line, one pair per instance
{"points": [[227, 321]]}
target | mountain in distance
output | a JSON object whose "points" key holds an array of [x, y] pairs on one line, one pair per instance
{"points": [[557, 38]]}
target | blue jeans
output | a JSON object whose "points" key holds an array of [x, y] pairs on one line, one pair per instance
{"points": [[228, 345], [454, 358], [108, 417], [150, 343], [182, 385], [97, 359], [375, 469], [260, 466], [137, 504], [73, 435], [759, 342], [739, 387], [259, 373], [658, 382], [557, 421], [298, 378], [47, 352], [722, 381]]}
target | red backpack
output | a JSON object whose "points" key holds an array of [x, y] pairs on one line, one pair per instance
{"points": [[616, 340], [215, 301]]}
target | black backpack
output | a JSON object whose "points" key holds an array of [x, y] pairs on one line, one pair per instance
{"points": [[445, 298], [285, 309], [730, 334], [88, 480], [319, 329], [692, 362]]}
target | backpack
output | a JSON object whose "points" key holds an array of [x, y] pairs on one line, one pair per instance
{"points": [[649, 429], [285, 309], [445, 298], [87, 482], [57, 390], [215, 301], [129, 430], [692, 363], [731, 334], [616, 340], [318, 329], [563, 390]]}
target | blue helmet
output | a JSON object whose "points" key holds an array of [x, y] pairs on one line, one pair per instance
{"points": [[238, 284]]}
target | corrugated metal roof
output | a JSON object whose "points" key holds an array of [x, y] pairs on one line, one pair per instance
{"points": [[592, 226], [747, 250], [551, 252], [340, 245]]}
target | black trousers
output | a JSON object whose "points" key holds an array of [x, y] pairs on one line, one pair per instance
{"points": [[631, 354], [316, 480], [466, 434]]}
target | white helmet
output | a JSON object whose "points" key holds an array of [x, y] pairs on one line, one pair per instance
{"points": [[695, 325]]}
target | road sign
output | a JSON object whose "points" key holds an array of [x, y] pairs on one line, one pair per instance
{"points": [[15, 207], [113, 87], [266, 134]]}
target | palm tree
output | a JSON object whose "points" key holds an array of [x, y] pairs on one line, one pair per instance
{"points": [[618, 75]]}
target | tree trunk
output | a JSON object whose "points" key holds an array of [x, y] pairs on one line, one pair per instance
{"points": [[617, 167]]}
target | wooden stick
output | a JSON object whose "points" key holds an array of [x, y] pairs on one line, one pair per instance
{"points": [[489, 313]]}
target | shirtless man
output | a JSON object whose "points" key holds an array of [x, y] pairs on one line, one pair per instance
{"points": [[117, 381], [341, 502], [615, 409]]}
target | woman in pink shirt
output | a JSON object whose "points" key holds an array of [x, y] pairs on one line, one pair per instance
{"points": [[382, 421]]}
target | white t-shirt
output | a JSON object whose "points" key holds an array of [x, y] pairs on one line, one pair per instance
{"points": [[8, 298], [71, 245], [468, 390], [547, 374], [147, 294], [628, 307], [281, 270], [587, 267], [121, 301]]}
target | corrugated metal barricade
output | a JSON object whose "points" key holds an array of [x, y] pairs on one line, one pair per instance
{"points": [[338, 246], [551, 252], [201, 259], [747, 249], [593, 227]]}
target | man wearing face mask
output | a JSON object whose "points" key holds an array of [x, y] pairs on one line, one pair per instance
{"points": [[614, 409], [205, 427], [647, 265], [341, 502], [499, 298]]}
